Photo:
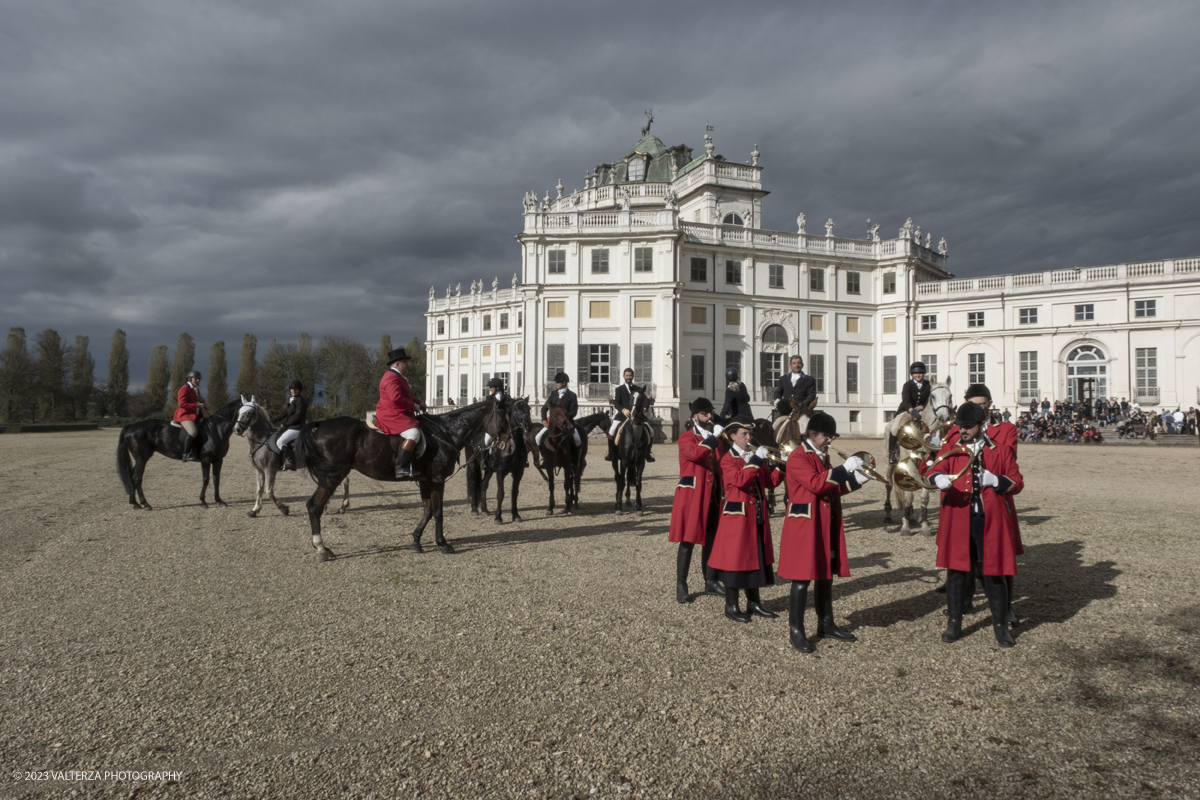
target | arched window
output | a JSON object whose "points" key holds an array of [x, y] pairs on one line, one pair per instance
{"points": [[637, 169], [1087, 373], [732, 219], [776, 334]]}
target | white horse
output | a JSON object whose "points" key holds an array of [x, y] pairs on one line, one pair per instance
{"points": [[254, 424], [939, 409]]}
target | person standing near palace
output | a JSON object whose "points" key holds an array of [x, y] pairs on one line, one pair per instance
{"points": [[190, 410], [743, 553], [396, 410], [737, 398], [812, 546], [795, 385], [697, 505], [563, 398], [295, 411], [975, 523], [915, 395]]}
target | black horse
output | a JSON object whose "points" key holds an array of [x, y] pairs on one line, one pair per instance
{"points": [[140, 440], [484, 462], [632, 447], [559, 453], [330, 449]]}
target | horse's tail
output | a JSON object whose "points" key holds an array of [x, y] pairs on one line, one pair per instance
{"points": [[306, 452], [124, 462]]}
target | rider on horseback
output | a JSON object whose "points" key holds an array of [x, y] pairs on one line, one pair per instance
{"points": [[623, 400], [394, 414], [796, 386], [915, 396], [292, 417], [563, 398], [737, 399], [190, 410]]}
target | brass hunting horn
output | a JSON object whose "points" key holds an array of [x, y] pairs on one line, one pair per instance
{"points": [[907, 472], [868, 467]]}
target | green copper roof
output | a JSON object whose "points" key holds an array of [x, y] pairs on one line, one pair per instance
{"points": [[658, 157]]}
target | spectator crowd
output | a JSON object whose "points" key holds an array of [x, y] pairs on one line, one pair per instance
{"points": [[1087, 423]]}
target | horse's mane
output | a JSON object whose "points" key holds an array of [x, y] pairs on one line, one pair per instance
{"points": [[232, 407], [586, 424]]}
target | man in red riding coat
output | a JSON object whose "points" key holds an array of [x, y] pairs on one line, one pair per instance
{"points": [[975, 522], [394, 414], [812, 546], [190, 410], [696, 509]]}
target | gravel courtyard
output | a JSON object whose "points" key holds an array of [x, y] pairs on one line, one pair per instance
{"points": [[549, 658]]}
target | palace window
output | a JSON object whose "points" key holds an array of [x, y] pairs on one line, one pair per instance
{"points": [[733, 317], [556, 262], [733, 360], [816, 368], [698, 372], [556, 360], [556, 309], [851, 324], [1027, 316], [462, 388], [700, 269], [643, 309], [463, 352], [889, 324], [464, 325], [643, 259], [732, 219], [816, 322], [853, 283], [1087, 373], [487, 322], [1146, 359], [699, 315], [599, 363], [930, 363], [889, 374], [852, 375], [520, 317], [503, 320], [441, 327], [733, 272], [600, 260], [503, 349], [929, 322], [1085, 312], [770, 369], [441, 389], [889, 283], [776, 277], [1145, 308], [974, 319], [598, 309], [1028, 374], [487, 352], [441, 354], [976, 369], [643, 363], [775, 334], [816, 279], [637, 169]]}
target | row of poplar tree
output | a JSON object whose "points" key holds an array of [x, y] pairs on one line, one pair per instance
{"points": [[53, 381]]}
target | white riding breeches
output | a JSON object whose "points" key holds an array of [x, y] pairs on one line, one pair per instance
{"points": [[287, 437], [612, 430], [412, 434], [542, 435]]}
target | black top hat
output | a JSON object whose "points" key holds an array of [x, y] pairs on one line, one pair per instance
{"points": [[917, 366], [739, 422], [969, 415], [977, 390], [398, 355], [495, 383], [700, 404], [822, 423], [562, 377]]}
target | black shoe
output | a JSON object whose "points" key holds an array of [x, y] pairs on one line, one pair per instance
{"points": [[997, 595], [754, 605], [188, 456], [825, 624], [1012, 617], [681, 593], [611, 448], [714, 588], [649, 458], [955, 582], [796, 603], [289, 457], [731, 606], [404, 464]]}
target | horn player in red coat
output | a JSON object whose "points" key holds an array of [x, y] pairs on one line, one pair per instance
{"points": [[743, 553], [812, 546], [975, 523], [697, 503]]}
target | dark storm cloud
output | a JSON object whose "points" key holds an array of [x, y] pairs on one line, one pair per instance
{"points": [[222, 168]]}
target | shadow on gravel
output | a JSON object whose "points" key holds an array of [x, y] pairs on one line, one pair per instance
{"points": [[1054, 584], [907, 609]]}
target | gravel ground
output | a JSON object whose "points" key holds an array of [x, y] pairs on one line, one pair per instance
{"points": [[549, 658]]}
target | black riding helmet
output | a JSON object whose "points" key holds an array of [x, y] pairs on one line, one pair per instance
{"points": [[731, 375], [194, 374], [495, 383], [297, 385]]}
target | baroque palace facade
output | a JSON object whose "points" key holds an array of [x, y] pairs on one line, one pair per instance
{"points": [[658, 264]]}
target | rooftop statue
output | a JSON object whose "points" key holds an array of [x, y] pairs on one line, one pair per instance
{"points": [[942, 246], [754, 156], [559, 187], [906, 231], [514, 285], [495, 284], [430, 292], [800, 223], [928, 237], [829, 227], [649, 122], [873, 231]]}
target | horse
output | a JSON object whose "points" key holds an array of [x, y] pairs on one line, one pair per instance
{"points": [[939, 409], [481, 468], [254, 424], [332, 448], [632, 446], [558, 453], [140, 440], [585, 425], [788, 428]]}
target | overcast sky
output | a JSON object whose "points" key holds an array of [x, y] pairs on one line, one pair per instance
{"points": [[273, 167]]}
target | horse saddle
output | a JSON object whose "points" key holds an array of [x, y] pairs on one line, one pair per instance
{"points": [[370, 420], [175, 424]]}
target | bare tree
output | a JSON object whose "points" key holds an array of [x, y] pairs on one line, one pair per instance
{"points": [[118, 375], [83, 377], [217, 382]]}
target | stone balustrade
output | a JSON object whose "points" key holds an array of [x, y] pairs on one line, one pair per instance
{"points": [[486, 298], [1035, 281]]}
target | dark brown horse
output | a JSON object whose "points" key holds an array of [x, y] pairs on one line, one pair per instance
{"points": [[559, 453], [141, 440], [331, 449], [632, 447], [485, 461]]}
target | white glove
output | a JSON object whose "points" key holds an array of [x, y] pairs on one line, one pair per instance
{"points": [[861, 477], [762, 453], [853, 464], [943, 482], [929, 463], [989, 479], [936, 441], [717, 429]]}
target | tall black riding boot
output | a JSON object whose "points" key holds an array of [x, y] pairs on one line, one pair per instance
{"points": [[731, 606], [650, 454], [974, 578], [404, 463], [825, 624], [1012, 616], [288, 452], [710, 579], [956, 584], [187, 456], [997, 595], [796, 604], [612, 449], [683, 563], [754, 605]]}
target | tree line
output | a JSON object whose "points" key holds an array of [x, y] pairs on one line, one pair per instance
{"points": [[53, 381]]}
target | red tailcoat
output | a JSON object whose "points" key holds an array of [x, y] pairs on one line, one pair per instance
{"points": [[814, 506], [189, 404], [735, 548], [394, 412], [697, 489], [954, 523], [1004, 436]]}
